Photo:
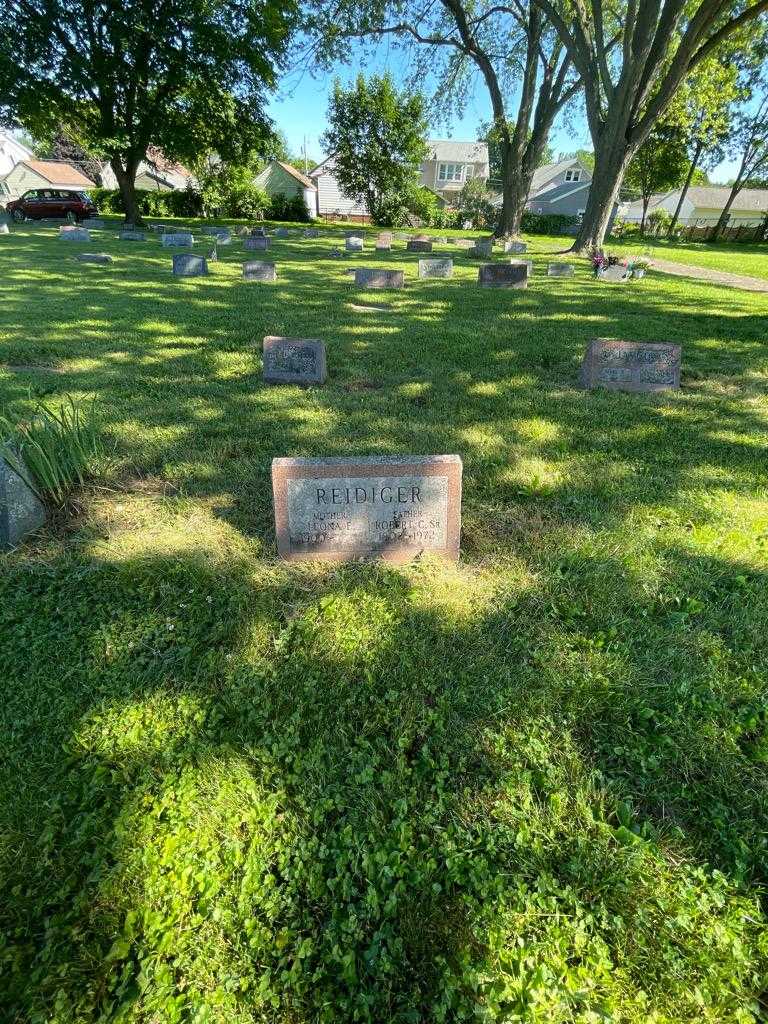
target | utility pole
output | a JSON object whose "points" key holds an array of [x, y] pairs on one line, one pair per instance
{"points": [[305, 155]]}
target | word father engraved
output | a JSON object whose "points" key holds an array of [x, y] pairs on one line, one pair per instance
{"points": [[381, 507]]}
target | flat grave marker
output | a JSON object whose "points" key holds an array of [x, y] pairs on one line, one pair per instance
{"points": [[177, 238], [294, 360], [385, 507], [560, 270], [631, 365], [94, 257], [131, 236], [366, 277], [502, 275], [258, 270], [185, 264], [436, 268]]}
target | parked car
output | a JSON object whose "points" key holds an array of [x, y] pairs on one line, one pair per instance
{"points": [[39, 203]]}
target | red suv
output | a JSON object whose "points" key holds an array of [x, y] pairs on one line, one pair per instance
{"points": [[39, 203]]}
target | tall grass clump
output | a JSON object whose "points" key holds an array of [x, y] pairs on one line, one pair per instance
{"points": [[54, 450]]}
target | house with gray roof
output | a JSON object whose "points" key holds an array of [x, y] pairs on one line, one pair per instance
{"points": [[703, 205], [560, 188], [449, 165]]}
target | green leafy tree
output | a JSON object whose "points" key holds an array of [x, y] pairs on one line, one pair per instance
{"points": [[376, 135], [749, 144], [61, 145], [186, 76], [492, 137], [632, 58], [475, 204], [510, 47], [659, 165]]}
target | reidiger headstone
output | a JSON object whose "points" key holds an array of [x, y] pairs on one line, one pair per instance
{"points": [[436, 268], [294, 361], [258, 270], [386, 507], [631, 365], [502, 275], [370, 278]]}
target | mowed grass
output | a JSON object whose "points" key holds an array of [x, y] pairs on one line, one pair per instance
{"points": [[527, 787], [746, 258]]}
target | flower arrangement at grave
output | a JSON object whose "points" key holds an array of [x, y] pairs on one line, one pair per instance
{"points": [[599, 261], [637, 265]]}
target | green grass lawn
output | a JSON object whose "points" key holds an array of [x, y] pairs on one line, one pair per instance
{"points": [[528, 787], [731, 257]]}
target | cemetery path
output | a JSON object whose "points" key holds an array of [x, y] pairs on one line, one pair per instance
{"points": [[750, 284]]}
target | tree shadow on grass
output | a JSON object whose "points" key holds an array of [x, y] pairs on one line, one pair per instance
{"points": [[360, 788]]}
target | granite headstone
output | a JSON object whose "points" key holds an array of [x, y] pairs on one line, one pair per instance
{"points": [[21, 511], [131, 236], [502, 275], [560, 270], [631, 365], [294, 361], [256, 243], [515, 247], [354, 243], [185, 264], [367, 277], [419, 245], [436, 268], [385, 507], [258, 270], [177, 238]]}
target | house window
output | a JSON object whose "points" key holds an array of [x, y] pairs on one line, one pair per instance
{"points": [[573, 175], [453, 172]]}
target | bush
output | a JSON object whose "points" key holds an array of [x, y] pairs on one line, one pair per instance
{"points": [[290, 208], [187, 203], [475, 204], [659, 220], [546, 223], [54, 450]]}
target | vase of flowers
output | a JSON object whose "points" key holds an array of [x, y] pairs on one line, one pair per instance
{"points": [[599, 261]]}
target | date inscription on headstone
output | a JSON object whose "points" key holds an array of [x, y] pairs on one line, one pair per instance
{"points": [[631, 365], [387, 507]]}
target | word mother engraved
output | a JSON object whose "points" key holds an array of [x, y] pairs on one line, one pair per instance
{"points": [[386, 507], [631, 365]]}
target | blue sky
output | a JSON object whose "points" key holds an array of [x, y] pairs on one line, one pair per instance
{"points": [[301, 102]]}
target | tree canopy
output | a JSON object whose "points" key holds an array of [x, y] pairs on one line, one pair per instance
{"points": [[186, 76], [376, 135]]}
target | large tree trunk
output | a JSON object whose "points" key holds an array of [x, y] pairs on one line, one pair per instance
{"points": [[646, 200], [686, 186], [723, 218], [612, 156], [126, 182], [516, 184]]}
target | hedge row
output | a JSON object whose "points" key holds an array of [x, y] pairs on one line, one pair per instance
{"points": [[250, 203]]}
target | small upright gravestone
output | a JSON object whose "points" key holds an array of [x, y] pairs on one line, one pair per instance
{"points": [[131, 236], [386, 507], [21, 511], [515, 247], [187, 265], [370, 278], [177, 238], [258, 270], [354, 244], [256, 243], [502, 275], [528, 264], [436, 268], [4, 229], [74, 235], [281, 233], [94, 257], [560, 270], [294, 361], [419, 245], [384, 241], [631, 365], [311, 233], [483, 248]]}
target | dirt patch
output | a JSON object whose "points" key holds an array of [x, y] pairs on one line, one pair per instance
{"points": [[363, 384], [148, 486], [371, 307]]}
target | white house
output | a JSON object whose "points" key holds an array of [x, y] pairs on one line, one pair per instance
{"points": [[560, 188], [447, 167], [331, 201], [703, 205], [12, 152]]}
